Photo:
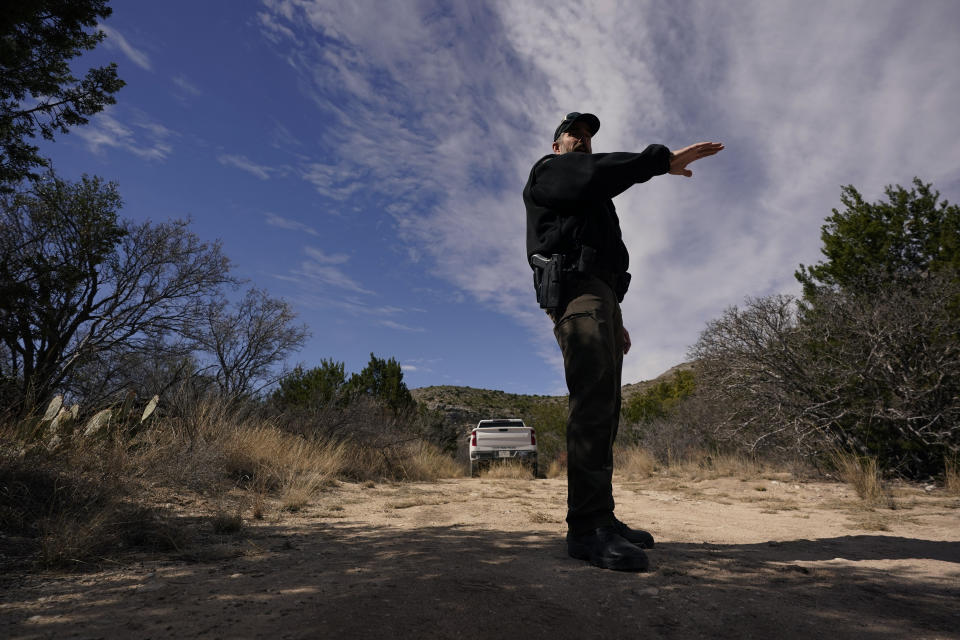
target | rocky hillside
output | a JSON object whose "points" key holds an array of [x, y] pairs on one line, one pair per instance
{"points": [[465, 406], [639, 387]]}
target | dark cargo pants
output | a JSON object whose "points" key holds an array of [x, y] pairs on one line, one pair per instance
{"points": [[590, 335]]}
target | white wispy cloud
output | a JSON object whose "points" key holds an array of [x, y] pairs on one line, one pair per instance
{"points": [[293, 225], [271, 27], [338, 182], [282, 137], [115, 40], [806, 97], [144, 138], [186, 86], [390, 324], [355, 307], [323, 257], [420, 365], [245, 164], [323, 274]]}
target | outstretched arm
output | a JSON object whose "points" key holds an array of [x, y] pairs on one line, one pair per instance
{"points": [[680, 159]]}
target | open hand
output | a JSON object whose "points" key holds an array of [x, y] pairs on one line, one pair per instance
{"points": [[680, 159]]}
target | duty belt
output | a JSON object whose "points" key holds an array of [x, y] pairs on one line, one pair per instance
{"points": [[608, 277]]}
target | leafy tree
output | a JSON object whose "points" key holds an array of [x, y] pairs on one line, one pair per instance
{"points": [[876, 373], [659, 399], [37, 90], [869, 243], [76, 281], [312, 388], [249, 340], [383, 380], [433, 426], [870, 360], [549, 420]]}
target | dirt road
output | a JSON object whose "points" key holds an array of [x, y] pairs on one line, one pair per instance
{"points": [[485, 558]]}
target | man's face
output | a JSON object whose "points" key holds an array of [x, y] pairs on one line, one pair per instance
{"points": [[576, 138]]}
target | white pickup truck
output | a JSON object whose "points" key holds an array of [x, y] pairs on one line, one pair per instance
{"points": [[502, 439]]}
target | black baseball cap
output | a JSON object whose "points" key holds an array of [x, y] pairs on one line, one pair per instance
{"points": [[574, 116]]}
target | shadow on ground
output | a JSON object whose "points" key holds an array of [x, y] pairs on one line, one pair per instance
{"points": [[343, 579]]}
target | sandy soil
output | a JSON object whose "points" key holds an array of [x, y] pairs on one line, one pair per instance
{"points": [[485, 558]]}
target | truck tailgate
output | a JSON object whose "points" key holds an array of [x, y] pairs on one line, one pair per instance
{"points": [[503, 437]]}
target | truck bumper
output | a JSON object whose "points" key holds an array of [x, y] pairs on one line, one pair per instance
{"points": [[525, 456]]}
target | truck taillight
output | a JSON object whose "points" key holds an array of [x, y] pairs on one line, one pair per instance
{"points": [[473, 438], [533, 437]]}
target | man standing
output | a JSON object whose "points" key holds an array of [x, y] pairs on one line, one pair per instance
{"points": [[580, 266]]}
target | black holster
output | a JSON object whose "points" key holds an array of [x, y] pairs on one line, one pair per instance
{"points": [[549, 277], [548, 280]]}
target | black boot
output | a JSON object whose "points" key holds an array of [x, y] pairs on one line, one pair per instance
{"points": [[607, 549], [636, 537]]}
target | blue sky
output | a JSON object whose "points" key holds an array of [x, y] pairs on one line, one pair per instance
{"points": [[365, 160]]}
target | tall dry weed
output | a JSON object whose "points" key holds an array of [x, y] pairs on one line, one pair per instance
{"points": [[509, 470], [76, 506], [227, 521], [88, 497], [411, 460], [863, 474], [299, 489], [268, 458], [951, 477], [699, 464], [557, 469], [425, 463], [634, 462]]}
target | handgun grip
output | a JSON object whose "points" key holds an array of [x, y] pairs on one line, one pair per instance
{"points": [[538, 261]]}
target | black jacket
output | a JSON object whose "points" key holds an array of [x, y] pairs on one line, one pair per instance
{"points": [[569, 206]]}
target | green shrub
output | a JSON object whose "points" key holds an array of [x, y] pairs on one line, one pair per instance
{"points": [[660, 399]]}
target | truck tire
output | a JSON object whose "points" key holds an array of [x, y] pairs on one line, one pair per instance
{"points": [[534, 468], [474, 471]]}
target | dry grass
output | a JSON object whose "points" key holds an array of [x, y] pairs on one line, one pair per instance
{"points": [[269, 458], [74, 506], [425, 463], [300, 488], [863, 475], [951, 477], [68, 538], [413, 461], [78, 539], [259, 508], [703, 465], [508, 470], [556, 469], [416, 501], [226, 521], [541, 517], [871, 520], [87, 498], [634, 463]]}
